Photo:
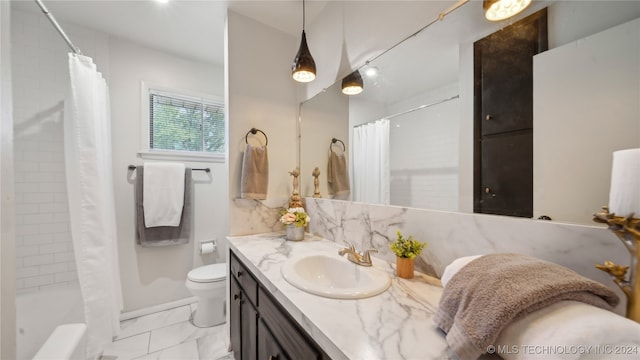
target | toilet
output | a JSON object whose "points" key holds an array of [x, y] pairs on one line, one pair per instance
{"points": [[207, 283]]}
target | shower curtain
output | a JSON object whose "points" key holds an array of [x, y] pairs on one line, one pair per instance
{"points": [[371, 182], [87, 141]]}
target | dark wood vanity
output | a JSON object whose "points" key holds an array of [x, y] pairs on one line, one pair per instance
{"points": [[260, 328]]}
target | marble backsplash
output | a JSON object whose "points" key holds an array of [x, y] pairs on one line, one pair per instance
{"points": [[453, 235]]}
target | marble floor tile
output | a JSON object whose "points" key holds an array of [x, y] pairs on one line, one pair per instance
{"points": [[215, 345], [128, 348], [176, 334], [184, 351], [154, 321]]}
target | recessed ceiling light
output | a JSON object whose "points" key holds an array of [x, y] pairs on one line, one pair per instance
{"points": [[163, 1]]}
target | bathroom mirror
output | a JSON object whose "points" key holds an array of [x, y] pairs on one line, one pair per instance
{"points": [[424, 86]]}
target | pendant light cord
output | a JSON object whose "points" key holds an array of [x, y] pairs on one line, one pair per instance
{"points": [[303, 15]]}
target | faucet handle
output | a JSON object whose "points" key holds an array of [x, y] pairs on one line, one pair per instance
{"points": [[366, 256]]}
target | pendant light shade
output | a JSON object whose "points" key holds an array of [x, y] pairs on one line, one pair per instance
{"points": [[352, 84], [304, 68], [496, 10]]}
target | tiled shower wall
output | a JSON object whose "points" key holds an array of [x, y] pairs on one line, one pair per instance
{"points": [[44, 251]]}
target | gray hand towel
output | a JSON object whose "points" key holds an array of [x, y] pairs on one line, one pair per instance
{"points": [[163, 235], [255, 173], [338, 176]]}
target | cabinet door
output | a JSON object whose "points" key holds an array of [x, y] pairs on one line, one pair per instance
{"points": [[268, 347], [249, 329], [235, 296]]}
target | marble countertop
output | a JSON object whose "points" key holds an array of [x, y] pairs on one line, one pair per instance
{"points": [[396, 324]]}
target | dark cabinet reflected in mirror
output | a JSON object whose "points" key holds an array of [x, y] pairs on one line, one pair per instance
{"points": [[585, 106]]}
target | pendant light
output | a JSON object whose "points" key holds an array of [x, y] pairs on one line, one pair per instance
{"points": [[304, 68], [496, 10], [352, 84]]}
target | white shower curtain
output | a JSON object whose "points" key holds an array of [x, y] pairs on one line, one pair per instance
{"points": [[87, 139], [371, 162]]}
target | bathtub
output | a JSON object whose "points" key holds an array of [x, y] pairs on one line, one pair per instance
{"points": [[38, 314]]}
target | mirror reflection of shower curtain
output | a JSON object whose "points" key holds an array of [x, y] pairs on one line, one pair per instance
{"points": [[87, 140], [371, 162]]}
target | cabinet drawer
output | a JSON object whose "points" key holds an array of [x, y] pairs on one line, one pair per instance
{"points": [[244, 277], [284, 331]]}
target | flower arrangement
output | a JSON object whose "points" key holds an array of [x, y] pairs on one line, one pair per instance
{"points": [[295, 216], [406, 247]]}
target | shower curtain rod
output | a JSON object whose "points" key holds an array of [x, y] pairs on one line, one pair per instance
{"points": [[415, 109], [55, 24]]}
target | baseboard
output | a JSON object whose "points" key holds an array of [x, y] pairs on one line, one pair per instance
{"points": [[157, 308]]}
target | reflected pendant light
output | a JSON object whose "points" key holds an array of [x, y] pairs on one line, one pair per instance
{"points": [[496, 10], [304, 68], [352, 84]]}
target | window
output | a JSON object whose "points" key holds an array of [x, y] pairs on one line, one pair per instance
{"points": [[180, 125]]}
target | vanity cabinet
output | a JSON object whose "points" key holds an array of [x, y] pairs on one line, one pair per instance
{"points": [[260, 327]]}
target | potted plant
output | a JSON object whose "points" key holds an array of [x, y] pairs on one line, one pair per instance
{"points": [[406, 250], [294, 220]]}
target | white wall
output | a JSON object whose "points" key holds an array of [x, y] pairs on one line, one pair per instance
{"points": [[260, 94], [44, 250], [7, 246], [152, 276], [581, 89]]}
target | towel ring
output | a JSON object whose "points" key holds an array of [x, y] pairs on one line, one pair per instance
{"points": [[333, 141], [254, 131]]}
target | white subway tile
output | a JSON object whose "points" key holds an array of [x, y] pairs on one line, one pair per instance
{"points": [[26, 188], [64, 257], [53, 268], [50, 167], [55, 228], [62, 217], [62, 237], [38, 218], [53, 187], [37, 239], [26, 272], [38, 260], [53, 208], [22, 251], [54, 248], [37, 156], [27, 230], [66, 276], [27, 209], [38, 198], [39, 280], [24, 166]]}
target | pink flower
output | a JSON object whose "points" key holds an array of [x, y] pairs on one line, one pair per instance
{"points": [[288, 218]]}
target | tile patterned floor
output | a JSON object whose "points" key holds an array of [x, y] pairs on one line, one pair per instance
{"points": [[169, 335]]}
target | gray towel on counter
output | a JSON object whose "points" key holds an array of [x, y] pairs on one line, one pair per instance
{"points": [[487, 294], [163, 235], [255, 173]]}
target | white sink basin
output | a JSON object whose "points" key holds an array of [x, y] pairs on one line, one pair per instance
{"points": [[334, 277]]}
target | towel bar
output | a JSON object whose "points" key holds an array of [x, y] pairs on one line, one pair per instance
{"points": [[334, 140], [207, 170], [254, 131]]}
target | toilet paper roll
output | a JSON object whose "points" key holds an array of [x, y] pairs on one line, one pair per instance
{"points": [[207, 248]]}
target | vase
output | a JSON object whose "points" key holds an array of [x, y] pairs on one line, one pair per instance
{"points": [[294, 233], [404, 267]]}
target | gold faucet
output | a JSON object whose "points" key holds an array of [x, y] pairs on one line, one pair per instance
{"points": [[356, 257]]}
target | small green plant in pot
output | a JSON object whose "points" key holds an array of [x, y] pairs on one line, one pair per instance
{"points": [[406, 250]]}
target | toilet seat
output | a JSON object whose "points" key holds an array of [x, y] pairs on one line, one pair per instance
{"points": [[208, 273]]}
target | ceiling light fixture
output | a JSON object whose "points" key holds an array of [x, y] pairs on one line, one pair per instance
{"points": [[352, 84], [496, 10], [304, 68]]}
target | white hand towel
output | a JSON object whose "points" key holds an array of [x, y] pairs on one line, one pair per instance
{"points": [[163, 194]]}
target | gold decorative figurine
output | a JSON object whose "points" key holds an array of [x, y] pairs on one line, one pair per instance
{"points": [[316, 183], [627, 229], [295, 197]]}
